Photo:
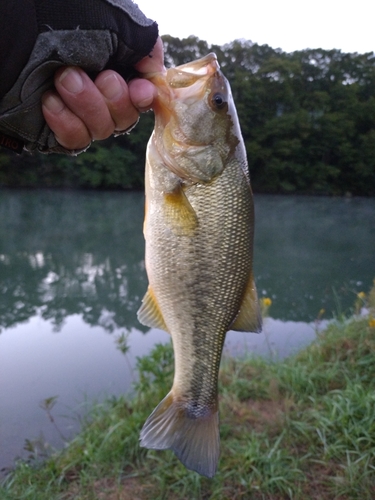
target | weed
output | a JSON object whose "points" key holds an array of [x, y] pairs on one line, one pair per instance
{"points": [[295, 429]]}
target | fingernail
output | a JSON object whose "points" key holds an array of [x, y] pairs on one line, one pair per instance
{"points": [[53, 103], [145, 103], [71, 80], [111, 87]]}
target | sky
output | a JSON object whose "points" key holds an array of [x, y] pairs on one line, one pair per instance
{"points": [[286, 24]]}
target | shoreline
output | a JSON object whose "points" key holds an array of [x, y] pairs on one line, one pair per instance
{"points": [[287, 430]]}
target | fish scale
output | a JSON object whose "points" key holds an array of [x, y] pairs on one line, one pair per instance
{"points": [[199, 238]]}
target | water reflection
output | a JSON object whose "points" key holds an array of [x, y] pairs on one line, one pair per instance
{"points": [[313, 253], [64, 253]]}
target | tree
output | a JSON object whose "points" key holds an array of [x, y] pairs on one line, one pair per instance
{"points": [[307, 119]]}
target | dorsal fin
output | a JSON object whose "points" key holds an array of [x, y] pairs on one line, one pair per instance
{"points": [[149, 313], [249, 318]]}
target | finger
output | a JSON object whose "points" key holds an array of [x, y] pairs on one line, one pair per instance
{"points": [[116, 95], [154, 62], [84, 99], [142, 93], [69, 129]]}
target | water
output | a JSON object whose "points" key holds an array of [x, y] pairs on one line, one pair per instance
{"points": [[72, 278], [311, 251]]}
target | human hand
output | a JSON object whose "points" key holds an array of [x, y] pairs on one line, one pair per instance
{"points": [[71, 40], [80, 110]]}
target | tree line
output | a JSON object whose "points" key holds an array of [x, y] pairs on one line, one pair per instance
{"points": [[307, 118]]}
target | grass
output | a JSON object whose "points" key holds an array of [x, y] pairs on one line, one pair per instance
{"points": [[303, 428]]}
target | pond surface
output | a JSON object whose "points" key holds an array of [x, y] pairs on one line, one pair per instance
{"points": [[72, 278]]}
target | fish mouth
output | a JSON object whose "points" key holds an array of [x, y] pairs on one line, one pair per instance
{"points": [[184, 82], [189, 78], [187, 74]]}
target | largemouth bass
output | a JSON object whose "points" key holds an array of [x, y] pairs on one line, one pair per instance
{"points": [[198, 229]]}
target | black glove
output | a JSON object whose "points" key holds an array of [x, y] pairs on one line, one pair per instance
{"points": [[91, 34]]}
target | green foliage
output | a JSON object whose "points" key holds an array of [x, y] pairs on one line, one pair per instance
{"points": [[307, 118], [116, 163], [155, 372], [108, 167], [303, 428], [183, 51]]}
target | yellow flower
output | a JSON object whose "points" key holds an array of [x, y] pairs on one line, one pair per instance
{"points": [[361, 295], [266, 302], [321, 312], [371, 323]]}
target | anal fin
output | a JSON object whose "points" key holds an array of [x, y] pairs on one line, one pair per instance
{"points": [[149, 313], [249, 318]]}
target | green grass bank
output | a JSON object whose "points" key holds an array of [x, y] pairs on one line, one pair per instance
{"points": [[303, 428]]}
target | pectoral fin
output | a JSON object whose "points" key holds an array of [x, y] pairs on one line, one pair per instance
{"points": [[249, 318], [149, 313], [179, 214]]}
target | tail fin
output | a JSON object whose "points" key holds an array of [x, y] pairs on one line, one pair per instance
{"points": [[195, 441]]}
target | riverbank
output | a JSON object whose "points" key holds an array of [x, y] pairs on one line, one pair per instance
{"points": [[300, 428]]}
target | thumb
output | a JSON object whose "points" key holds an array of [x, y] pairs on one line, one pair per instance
{"points": [[154, 62]]}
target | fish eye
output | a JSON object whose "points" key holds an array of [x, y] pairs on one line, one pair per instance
{"points": [[219, 101]]}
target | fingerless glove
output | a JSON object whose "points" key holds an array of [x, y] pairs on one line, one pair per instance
{"points": [[91, 34]]}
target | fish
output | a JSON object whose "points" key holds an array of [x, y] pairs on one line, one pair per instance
{"points": [[198, 229]]}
